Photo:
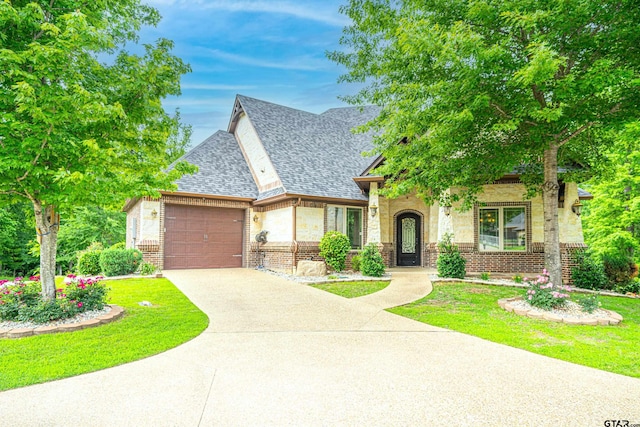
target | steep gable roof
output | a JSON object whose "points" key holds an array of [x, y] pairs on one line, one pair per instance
{"points": [[314, 154], [222, 169]]}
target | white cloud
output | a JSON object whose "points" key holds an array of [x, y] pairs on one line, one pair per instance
{"points": [[303, 63], [326, 13]]}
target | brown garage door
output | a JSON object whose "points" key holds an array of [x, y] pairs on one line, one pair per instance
{"points": [[202, 237]]}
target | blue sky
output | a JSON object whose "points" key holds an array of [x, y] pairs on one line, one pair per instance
{"points": [[268, 49]]}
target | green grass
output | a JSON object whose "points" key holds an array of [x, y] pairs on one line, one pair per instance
{"points": [[352, 289], [473, 310], [142, 332]]}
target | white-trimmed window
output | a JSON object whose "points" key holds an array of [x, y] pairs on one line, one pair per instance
{"points": [[348, 221], [502, 228]]}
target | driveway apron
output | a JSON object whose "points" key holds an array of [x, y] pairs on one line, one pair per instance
{"points": [[278, 353]]}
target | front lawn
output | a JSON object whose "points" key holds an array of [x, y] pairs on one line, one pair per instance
{"points": [[353, 289], [473, 309], [142, 332]]}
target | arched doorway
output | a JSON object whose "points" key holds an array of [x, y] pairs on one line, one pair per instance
{"points": [[408, 240]]}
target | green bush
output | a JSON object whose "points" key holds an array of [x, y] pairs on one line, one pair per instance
{"points": [[619, 269], [334, 247], [588, 273], [119, 245], [89, 263], [372, 263], [450, 263], [356, 260], [147, 268], [120, 262], [589, 303]]}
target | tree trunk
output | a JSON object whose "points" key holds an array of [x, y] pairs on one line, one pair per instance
{"points": [[552, 259], [47, 226]]}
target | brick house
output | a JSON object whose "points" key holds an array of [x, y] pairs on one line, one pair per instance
{"points": [[295, 175]]}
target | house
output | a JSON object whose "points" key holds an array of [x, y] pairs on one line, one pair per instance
{"points": [[291, 176]]}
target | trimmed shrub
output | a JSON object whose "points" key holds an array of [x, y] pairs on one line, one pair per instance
{"points": [[589, 272], [119, 245], [356, 260], [89, 263], [450, 263], [372, 263], [120, 262], [334, 247], [619, 268]]}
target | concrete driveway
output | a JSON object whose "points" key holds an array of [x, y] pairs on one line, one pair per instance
{"points": [[282, 353]]}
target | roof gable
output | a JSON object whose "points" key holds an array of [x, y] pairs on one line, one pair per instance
{"points": [[313, 154]]}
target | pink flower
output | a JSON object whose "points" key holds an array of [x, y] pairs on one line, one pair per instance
{"points": [[530, 297], [80, 304]]}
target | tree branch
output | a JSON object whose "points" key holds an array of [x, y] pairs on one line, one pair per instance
{"points": [[35, 161], [539, 96], [500, 110]]}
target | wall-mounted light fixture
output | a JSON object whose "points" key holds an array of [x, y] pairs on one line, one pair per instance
{"points": [[374, 210], [447, 210], [256, 218], [154, 214], [577, 207]]}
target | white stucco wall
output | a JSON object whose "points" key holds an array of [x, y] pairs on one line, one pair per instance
{"points": [[261, 167]]}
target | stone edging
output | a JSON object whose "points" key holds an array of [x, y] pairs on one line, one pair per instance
{"points": [[115, 313], [613, 319]]}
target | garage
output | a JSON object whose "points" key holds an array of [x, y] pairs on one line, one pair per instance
{"points": [[202, 237]]}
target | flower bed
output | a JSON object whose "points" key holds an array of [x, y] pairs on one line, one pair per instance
{"points": [[570, 313]]}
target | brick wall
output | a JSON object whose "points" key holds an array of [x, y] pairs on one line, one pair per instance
{"points": [[528, 263]]}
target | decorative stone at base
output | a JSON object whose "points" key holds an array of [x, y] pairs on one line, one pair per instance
{"points": [[612, 319], [115, 313], [311, 268]]}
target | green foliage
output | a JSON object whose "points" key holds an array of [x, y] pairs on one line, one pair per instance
{"points": [[619, 269], [120, 262], [450, 262], [544, 294], [86, 225], [611, 221], [589, 272], [89, 263], [517, 278], [16, 233], [542, 84], [81, 119], [372, 262], [356, 260], [119, 245], [589, 303], [21, 301], [147, 268], [334, 247], [485, 276]]}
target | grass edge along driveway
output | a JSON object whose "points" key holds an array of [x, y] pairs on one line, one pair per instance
{"points": [[473, 309], [142, 332]]}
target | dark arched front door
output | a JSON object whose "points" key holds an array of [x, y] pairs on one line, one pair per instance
{"points": [[408, 239]]}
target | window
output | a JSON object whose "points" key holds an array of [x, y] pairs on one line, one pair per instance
{"points": [[347, 221], [502, 228]]}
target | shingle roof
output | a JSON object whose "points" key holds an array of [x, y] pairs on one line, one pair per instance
{"points": [[313, 154], [223, 170]]}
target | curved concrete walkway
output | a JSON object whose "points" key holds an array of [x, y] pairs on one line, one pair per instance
{"points": [[278, 353], [407, 285]]}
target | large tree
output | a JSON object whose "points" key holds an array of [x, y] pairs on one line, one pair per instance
{"points": [[474, 89], [81, 120]]}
